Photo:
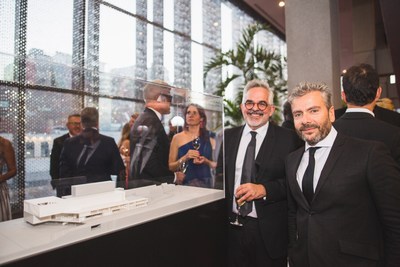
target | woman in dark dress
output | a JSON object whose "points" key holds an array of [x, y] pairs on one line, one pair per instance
{"points": [[191, 150]]}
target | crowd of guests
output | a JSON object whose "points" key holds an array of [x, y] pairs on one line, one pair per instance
{"points": [[323, 189]]}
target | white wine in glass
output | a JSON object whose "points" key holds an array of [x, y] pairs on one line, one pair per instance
{"points": [[238, 205], [196, 143]]}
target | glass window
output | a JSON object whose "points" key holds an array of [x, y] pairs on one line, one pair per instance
{"points": [[49, 43], [7, 19], [117, 43], [103, 53]]}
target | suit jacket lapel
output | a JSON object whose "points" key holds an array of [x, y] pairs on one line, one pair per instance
{"points": [[334, 155], [265, 151], [232, 149], [292, 179]]}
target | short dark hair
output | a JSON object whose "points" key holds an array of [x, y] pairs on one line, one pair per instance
{"points": [[74, 115], [89, 117], [360, 84]]}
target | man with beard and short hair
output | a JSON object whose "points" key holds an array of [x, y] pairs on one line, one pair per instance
{"points": [[74, 128], [343, 193], [255, 185]]}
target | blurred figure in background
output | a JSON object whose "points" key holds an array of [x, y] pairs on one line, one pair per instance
{"points": [[287, 116], [8, 169], [149, 141], [134, 116], [124, 150], [386, 103], [74, 128], [91, 154], [172, 130]]}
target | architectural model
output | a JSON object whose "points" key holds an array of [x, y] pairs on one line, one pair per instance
{"points": [[87, 201]]}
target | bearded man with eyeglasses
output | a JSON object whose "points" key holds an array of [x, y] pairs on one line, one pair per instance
{"points": [[74, 128], [255, 188]]}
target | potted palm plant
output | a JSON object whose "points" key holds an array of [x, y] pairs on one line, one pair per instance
{"points": [[250, 60]]}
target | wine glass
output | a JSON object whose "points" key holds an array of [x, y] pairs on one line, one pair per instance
{"points": [[196, 143], [236, 222], [183, 166]]}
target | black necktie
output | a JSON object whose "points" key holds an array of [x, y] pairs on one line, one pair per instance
{"points": [[308, 178], [248, 171], [82, 160]]}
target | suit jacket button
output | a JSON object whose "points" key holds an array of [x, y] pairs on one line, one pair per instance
{"points": [[311, 213]]}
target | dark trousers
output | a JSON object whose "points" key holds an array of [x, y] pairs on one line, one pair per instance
{"points": [[246, 247]]}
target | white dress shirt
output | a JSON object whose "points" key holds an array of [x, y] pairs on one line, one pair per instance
{"points": [[321, 155], [365, 110], [244, 142]]}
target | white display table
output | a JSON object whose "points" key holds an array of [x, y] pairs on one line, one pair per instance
{"points": [[19, 239]]}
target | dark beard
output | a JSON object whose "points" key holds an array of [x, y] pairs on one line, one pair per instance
{"points": [[323, 132]]}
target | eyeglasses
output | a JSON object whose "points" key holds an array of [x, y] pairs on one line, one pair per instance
{"points": [[262, 105], [75, 123]]}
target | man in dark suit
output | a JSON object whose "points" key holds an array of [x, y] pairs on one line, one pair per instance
{"points": [[259, 236], [149, 141], [383, 114], [74, 128], [343, 192], [361, 91], [91, 154]]}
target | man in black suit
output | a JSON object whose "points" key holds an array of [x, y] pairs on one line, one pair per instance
{"points": [[74, 128], [343, 192], [260, 236], [149, 141], [383, 114], [91, 154], [361, 91]]}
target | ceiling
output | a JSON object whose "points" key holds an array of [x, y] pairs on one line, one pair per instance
{"points": [[270, 11], [387, 20]]}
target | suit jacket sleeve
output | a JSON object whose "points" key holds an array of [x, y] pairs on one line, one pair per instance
{"points": [[55, 157], [117, 165], [384, 181], [66, 167], [284, 142]]}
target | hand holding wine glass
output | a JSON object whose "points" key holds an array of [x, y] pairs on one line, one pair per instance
{"points": [[196, 143], [238, 205]]}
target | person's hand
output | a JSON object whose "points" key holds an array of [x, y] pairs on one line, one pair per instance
{"points": [[199, 160], [192, 154], [180, 177], [249, 192]]}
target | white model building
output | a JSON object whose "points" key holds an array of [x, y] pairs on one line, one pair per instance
{"points": [[87, 201]]}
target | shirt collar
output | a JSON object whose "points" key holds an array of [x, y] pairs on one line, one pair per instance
{"points": [[157, 113], [327, 141], [365, 110], [262, 131]]}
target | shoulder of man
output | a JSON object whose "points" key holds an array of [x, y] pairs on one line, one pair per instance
{"points": [[61, 138]]}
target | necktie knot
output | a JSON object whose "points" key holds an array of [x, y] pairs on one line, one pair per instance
{"points": [[312, 150], [253, 134]]}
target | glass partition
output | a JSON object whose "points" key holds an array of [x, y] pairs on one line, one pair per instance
{"points": [[46, 118], [58, 57]]}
